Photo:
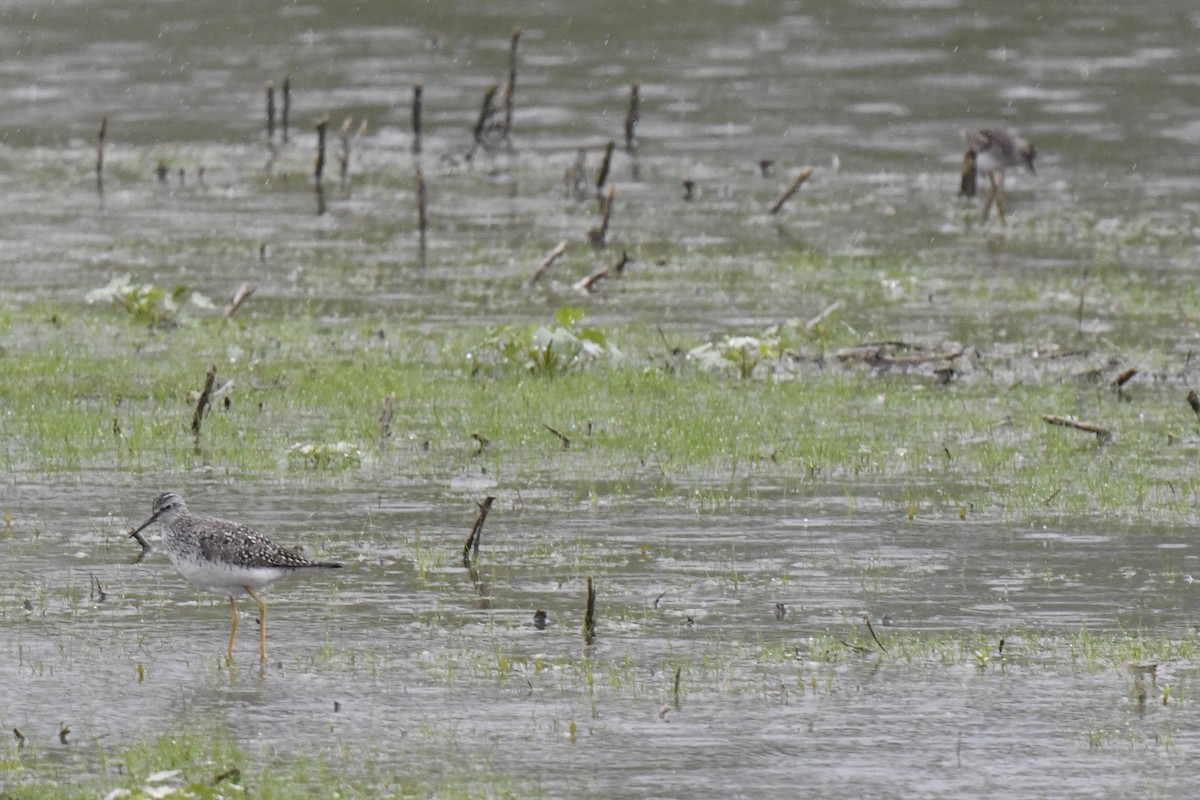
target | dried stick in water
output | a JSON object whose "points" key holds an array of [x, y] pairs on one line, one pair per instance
{"points": [[586, 285], [416, 118], [510, 88], [471, 548], [867, 621], [1103, 435], [422, 213], [632, 116], [548, 261], [270, 111], [619, 267], [598, 234], [487, 110], [319, 169], [287, 105], [797, 182], [100, 134], [566, 443], [242, 295], [1119, 382], [605, 168], [589, 615], [202, 403]]}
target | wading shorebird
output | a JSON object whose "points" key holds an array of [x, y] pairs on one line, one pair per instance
{"points": [[992, 152], [224, 557]]}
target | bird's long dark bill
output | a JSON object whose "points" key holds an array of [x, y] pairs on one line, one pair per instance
{"points": [[143, 526]]}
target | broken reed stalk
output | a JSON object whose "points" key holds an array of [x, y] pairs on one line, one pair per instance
{"points": [[678, 670], [548, 261], [1103, 435], [422, 213], [202, 403], [797, 182], [589, 615], [605, 168], [100, 134], [287, 106], [471, 548], [598, 234], [968, 183], [486, 110], [632, 116], [319, 169], [242, 295], [510, 88], [416, 117], [270, 111], [387, 412], [566, 443]]}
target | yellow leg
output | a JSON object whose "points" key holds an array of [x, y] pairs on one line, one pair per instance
{"points": [[262, 624], [998, 193], [232, 631]]}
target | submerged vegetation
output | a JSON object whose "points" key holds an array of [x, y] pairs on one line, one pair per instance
{"points": [[951, 426], [820, 674]]}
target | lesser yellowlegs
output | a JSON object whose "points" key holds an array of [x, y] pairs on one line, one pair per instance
{"points": [[224, 557], [993, 152]]}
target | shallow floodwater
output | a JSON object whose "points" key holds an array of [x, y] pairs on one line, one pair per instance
{"points": [[402, 659], [402, 664]]}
